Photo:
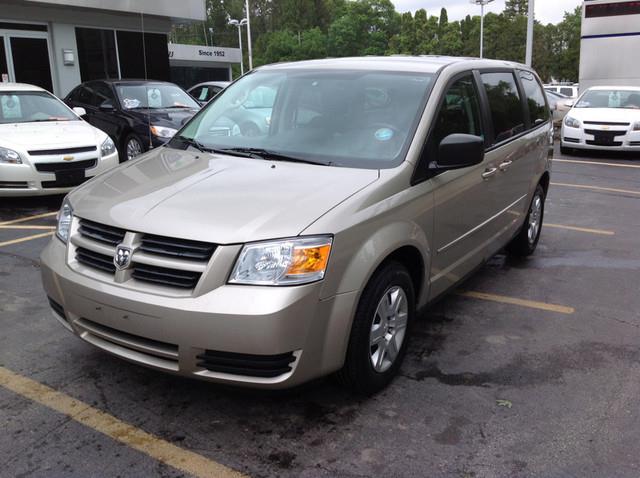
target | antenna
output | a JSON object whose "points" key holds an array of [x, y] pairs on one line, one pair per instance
{"points": [[144, 59]]}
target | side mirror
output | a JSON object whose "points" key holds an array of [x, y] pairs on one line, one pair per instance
{"points": [[460, 151], [569, 103], [79, 111], [107, 106]]}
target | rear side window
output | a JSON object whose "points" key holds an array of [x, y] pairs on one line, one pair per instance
{"points": [[567, 91], [505, 105], [538, 110]]}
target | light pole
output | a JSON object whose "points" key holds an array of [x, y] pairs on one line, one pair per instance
{"points": [[530, 19], [246, 3], [482, 3], [239, 25]]}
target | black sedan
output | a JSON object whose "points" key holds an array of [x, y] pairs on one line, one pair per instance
{"points": [[138, 115]]}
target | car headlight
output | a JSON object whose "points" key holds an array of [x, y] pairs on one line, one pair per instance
{"points": [[108, 147], [163, 131], [636, 126], [571, 122], [9, 156], [284, 262], [65, 215]]}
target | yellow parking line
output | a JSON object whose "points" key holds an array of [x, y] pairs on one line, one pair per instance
{"points": [[28, 238], [515, 301], [597, 188], [580, 229], [161, 450], [48, 228], [599, 163], [28, 218]]}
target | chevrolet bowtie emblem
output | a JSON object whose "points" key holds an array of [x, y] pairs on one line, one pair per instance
{"points": [[605, 127], [68, 158]]}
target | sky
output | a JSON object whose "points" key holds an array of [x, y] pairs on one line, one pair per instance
{"points": [[546, 11]]}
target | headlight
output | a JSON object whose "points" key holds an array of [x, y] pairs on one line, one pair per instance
{"points": [[285, 262], [636, 126], [571, 122], [108, 147], [163, 132], [65, 215], [9, 156]]}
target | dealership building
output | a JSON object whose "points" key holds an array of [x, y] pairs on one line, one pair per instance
{"points": [[58, 44]]}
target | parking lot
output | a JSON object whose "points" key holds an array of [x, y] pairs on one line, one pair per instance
{"points": [[530, 369]]}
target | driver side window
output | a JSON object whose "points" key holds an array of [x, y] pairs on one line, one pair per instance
{"points": [[459, 113]]}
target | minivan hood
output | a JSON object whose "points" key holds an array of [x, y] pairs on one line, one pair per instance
{"points": [[49, 135], [216, 198]]}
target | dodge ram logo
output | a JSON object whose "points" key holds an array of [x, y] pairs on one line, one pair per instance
{"points": [[122, 257]]}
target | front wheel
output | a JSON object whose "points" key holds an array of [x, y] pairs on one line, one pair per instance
{"points": [[566, 151], [132, 147], [380, 330], [527, 239]]}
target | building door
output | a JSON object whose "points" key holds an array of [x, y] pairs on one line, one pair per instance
{"points": [[25, 57]]}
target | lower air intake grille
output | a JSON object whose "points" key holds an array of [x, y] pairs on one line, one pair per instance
{"points": [[54, 167], [13, 184], [165, 276], [57, 308], [95, 260], [246, 364]]}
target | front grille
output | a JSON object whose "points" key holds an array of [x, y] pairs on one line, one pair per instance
{"points": [[57, 308], [246, 364], [55, 167], [95, 260], [607, 123], [604, 138], [14, 184], [571, 140], [101, 232], [63, 184], [64, 151], [165, 276], [180, 248]]}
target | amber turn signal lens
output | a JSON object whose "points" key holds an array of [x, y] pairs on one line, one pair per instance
{"points": [[307, 260]]}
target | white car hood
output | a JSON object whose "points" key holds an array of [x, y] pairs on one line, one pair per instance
{"points": [[616, 115], [49, 135]]}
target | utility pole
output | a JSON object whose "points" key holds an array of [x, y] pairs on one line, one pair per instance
{"points": [[530, 19], [482, 3], [249, 35]]}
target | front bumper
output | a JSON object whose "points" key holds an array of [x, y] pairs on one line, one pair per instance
{"points": [[172, 333], [25, 180], [590, 138]]}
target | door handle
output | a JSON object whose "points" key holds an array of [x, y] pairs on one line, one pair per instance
{"points": [[505, 165], [489, 172]]}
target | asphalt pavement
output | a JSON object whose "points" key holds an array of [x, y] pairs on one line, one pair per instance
{"points": [[532, 368]]}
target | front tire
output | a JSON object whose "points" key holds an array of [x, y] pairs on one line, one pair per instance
{"points": [[132, 147], [380, 330], [566, 151], [524, 244]]}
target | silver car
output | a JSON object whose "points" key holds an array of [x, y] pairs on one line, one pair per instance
{"points": [[272, 258]]}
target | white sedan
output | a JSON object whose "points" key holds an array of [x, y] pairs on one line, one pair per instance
{"points": [[45, 147], [603, 118]]}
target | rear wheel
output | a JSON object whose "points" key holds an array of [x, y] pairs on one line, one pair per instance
{"points": [[527, 239], [380, 330]]}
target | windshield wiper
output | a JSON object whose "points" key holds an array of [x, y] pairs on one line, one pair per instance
{"points": [[193, 143], [259, 153]]}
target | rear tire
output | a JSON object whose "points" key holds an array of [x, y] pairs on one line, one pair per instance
{"points": [[380, 331], [566, 151], [527, 239]]}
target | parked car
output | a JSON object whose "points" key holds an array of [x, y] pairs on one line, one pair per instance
{"points": [[604, 118], [45, 147], [268, 260], [203, 92], [560, 105], [570, 91], [138, 115]]}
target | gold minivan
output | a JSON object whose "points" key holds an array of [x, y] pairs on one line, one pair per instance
{"points": [[295, 225]]}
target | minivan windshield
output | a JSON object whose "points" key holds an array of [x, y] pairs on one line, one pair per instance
{"points": [[31, 107], [362, 119], [610, 99]]}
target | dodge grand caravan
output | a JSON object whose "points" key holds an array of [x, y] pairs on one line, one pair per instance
{"points": [[267, 257]]}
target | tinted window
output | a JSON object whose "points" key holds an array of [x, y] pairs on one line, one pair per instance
{"points": [[538, 109], [102, 93], [133, 50], [96, 54], [460, 113], [612, 9], [505, 105]]}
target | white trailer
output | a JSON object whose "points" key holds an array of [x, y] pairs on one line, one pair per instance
{"points": [[610, 43]]}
